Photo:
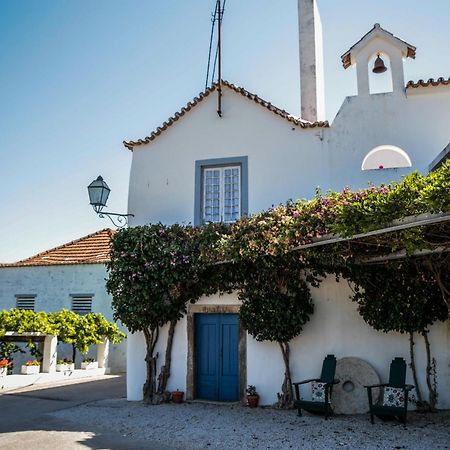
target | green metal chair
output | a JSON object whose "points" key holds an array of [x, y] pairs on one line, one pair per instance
{"points": [[326, 377], [397, 378]]}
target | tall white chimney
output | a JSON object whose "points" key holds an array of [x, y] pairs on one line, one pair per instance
{"points": [[311, 61]]}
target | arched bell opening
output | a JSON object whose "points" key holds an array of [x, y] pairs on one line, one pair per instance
{"points": [[380, 73]]}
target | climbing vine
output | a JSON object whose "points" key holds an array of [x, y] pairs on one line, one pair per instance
{"points": [[276, 304], [71, 328], [156, 270], [404, 297]]}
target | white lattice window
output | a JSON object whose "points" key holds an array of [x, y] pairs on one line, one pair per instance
{"points": [[82, 304], [221, 194], [25, 302]]}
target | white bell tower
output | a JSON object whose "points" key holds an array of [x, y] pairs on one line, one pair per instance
{"points": [[378, 42]]}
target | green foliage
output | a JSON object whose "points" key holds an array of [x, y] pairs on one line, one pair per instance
{"points": [[65, 325], [24, 321], [80, 331], [401, 296], [156, 270], [7, 350], [64, 361], [279, 229], [276, 302]]}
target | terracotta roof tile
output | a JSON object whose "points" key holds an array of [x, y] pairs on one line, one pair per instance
{"points": [[90, 249], [279, 112], [431, 82]]}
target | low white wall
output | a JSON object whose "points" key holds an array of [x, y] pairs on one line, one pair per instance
{"points": [[335, 327]]}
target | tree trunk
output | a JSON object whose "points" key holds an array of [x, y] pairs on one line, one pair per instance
{"points": [[151, 338], [431, 372], [74, 353], [413, 368], [161, 394], [285, 399]]}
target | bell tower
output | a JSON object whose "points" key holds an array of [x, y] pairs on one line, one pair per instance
{"points": [[378, 42]]}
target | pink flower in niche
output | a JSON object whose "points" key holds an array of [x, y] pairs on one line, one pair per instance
{"points": [[295, 214]]}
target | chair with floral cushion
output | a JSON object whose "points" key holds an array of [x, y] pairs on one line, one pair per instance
{"points": [[394, 402], [321, 388]]}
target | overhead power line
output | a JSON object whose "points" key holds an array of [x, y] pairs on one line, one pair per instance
{"points": [[214, 19]]}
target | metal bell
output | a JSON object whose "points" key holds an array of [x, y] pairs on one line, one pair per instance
{"points": [[379, 66]]}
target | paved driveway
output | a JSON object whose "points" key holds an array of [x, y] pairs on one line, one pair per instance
{"points": [[25, 421]]}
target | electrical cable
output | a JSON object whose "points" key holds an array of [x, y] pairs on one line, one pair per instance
{"points": [[210, 45], [217, 48]]}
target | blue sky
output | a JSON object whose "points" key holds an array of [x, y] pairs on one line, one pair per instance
{"points": [[77, 77]]}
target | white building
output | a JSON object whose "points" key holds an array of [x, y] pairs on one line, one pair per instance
{"points": [[269, 156], [71, 277]]}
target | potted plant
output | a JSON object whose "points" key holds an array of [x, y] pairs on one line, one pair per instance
{"points": [[65, 364], [4, 366], [31, 367], [89, 363], [252, 396], [177, 396]]}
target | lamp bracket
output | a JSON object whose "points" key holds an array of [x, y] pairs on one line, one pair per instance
{"points": [[118, 220]]}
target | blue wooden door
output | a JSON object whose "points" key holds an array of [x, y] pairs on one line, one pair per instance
{"points": [[217, 356]]}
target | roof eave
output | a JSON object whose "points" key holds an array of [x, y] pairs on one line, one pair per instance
{"points": [[130, 144]]}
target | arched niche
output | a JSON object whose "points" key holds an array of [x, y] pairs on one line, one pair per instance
{"points": [[386, 157]]}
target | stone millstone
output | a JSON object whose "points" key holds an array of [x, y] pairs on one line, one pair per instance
{"points": [[350, 395]]}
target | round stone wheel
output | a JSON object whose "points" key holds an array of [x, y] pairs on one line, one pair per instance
{"points": [[350, 395]]}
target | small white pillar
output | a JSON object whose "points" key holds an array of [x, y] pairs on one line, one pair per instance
{"points": [[136, 365], [49, 354], [103, 354], [362, 76]]}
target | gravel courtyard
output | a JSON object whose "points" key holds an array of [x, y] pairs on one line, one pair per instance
{"points": [[209, 426]]}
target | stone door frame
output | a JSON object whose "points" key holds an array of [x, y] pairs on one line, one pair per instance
{"points": [[242, 346]]}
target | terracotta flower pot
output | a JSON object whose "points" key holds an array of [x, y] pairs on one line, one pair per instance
{"points": [[252, 400], [177, 396]]}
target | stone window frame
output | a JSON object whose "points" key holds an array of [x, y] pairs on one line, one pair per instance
{"points": [[241, 161], [242, 346]]}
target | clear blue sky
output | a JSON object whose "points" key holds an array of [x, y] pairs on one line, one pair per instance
{"points": [[77, 77]]}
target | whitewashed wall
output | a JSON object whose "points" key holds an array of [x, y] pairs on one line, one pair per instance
{"points": [[287, 162], [53, 286], [335, 327], [284, 163]]}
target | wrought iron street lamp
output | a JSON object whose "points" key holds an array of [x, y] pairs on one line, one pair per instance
{"points": [[98, 196]]}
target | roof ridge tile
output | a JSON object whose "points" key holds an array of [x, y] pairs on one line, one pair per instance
{"points": [[240, 90]]}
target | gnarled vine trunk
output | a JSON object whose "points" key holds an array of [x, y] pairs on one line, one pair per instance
{"points": [[443, 287], [151, 338], [414, 371], [161, 394], [152, 394], [430, 374], [285, 399]]}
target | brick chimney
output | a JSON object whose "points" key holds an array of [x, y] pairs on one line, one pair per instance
{"points": [[311, 61]]}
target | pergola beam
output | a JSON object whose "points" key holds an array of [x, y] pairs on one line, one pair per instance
{"points": [[397, 225]]}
